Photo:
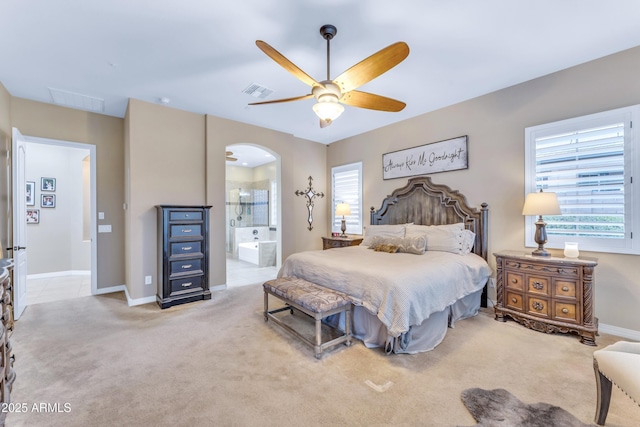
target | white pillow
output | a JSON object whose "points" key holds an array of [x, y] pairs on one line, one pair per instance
{"points": [[469, 239], [444, 238], [385, 230]]}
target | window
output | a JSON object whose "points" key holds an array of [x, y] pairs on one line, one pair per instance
{"points": [[346, 186], [589, 163]]}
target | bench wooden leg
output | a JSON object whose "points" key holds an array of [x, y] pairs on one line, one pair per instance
{"points": [[603, 386]]}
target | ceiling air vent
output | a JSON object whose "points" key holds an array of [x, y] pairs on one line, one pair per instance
{"points": [[257, 91], [76, 100]]}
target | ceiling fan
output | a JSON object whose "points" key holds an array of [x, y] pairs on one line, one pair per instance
{"points": [[331, 94], [229, 158]]}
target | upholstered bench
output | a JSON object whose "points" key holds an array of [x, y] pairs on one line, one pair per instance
{"points": [[315, 301], [619, 364]]}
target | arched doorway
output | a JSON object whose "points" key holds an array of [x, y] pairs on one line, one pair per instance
{"points": [[252, 199]]}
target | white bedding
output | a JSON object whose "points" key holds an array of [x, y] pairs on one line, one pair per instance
{"points": [[400, 289]]}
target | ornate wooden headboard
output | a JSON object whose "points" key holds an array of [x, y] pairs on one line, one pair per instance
{"points": [[425, 203]]}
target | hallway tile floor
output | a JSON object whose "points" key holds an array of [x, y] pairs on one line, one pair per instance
{"points": [[48, 289]]}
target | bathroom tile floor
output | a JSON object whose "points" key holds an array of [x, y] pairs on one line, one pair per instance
{"points": [[241, 273], [48, 289]]}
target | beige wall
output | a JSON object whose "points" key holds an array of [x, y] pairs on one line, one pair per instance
{"points": [[106, 133], [495, 125], [166, 165], [5, 167]]}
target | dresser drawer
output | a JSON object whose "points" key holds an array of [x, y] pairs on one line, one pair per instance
{"points": [[538, 285], [565, 311], [185, 215], [185, 248], [565, 288], [514, 301], [185, 285], [538, 307], [186, 266], [185, 230], [515, 280]]}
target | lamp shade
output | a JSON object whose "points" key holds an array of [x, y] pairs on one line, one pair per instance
{"points": [[328, 110], [541, 203], [343, 209]]}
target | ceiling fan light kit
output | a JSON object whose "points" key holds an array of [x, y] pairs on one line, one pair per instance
{"points": [[331, 94]]}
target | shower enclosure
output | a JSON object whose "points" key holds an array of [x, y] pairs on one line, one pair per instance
{"points": [[247, 218]]}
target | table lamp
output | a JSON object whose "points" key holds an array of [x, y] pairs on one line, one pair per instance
{"points": [[541, 204], [343, 209]]}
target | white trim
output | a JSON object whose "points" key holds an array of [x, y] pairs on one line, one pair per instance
{"points": [[619, 332], [59, 274], [130, 301]]}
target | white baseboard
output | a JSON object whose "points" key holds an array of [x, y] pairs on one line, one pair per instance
{"points": [[620, 332], [59, 273], [130, 301]]}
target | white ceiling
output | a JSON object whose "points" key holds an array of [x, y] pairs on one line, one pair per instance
{"points": [[202, 55]]}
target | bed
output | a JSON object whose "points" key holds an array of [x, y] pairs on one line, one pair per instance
{"points": [[405, 301]]}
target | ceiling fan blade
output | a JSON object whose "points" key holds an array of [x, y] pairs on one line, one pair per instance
{"points": [[231, 159], [285, 63], [356, 98], [229, 153], [371, 67], [275, 101]]}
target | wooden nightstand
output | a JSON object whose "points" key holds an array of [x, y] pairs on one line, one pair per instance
{"points": [[340, 242], [547, 294]]}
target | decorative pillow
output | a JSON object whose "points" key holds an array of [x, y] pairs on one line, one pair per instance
{"points": [[412, 245], [383, 247], [444, 238], [372, 231]]}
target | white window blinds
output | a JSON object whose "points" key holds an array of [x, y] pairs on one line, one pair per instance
{"points": [[589, 162], [347, 188], [585, 168]]}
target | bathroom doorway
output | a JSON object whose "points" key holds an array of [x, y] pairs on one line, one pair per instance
{"points": [[252, 200]]}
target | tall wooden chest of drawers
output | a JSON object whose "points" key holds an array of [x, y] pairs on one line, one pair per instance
{"points": [[547, 294], [183, 254]]}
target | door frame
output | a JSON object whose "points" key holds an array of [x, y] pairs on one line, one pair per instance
{"points": [[92, 186]]}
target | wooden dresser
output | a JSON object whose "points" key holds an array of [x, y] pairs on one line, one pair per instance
{"points": [[547, 294], [7, 373], [340, 242], [183, 254]]}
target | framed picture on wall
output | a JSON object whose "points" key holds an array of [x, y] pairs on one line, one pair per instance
{"points": [[48, 184], [30, 193], [33, 216], [48, 201]]}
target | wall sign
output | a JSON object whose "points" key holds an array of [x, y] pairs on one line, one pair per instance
{"points": [[430, 158]]}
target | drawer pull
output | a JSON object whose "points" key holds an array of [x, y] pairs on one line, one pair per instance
{"points": [[186, 284], [537, 285], [186, 230], [514, 280], [514, 300], [537, 305], [565, 310], [565, 288], [187, 266], [186, 248]]}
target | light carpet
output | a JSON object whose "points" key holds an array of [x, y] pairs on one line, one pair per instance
{"points": [[217, 363]]}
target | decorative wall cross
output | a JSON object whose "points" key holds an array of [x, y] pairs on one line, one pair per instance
{"points": [[310, 194]]}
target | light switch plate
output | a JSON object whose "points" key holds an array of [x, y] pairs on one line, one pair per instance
{"points": [[100, 215], [148, 280]]}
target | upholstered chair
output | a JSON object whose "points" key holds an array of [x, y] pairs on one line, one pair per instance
{"points": [[617, 364]]}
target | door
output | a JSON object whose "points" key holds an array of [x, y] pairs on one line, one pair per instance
{"points": [[19, 147]]}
